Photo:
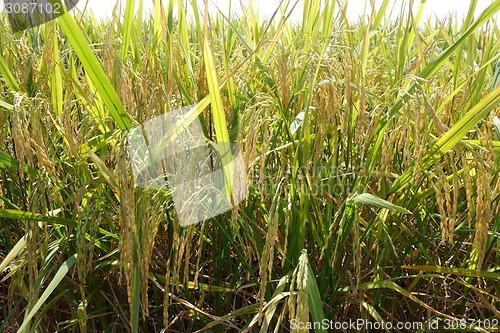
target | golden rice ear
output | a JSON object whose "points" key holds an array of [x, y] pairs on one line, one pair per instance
{"points": [[268, 258], [485, 202], [127, 222]]}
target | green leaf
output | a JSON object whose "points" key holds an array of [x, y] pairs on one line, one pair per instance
{"points": [[136, 297], [6, 105], [127, 27], [10, 162], [94, 70], [20, 245], [105, 173], [61, 273], [269, 312], [496, 122], [297, 122], [8, 76], [495, 144], [56, 76], [387, 284], [314, 299], [496, 77], [374, 313], [220, 124], [180, 126], [455, 271], [30, 216], [372, 200]]}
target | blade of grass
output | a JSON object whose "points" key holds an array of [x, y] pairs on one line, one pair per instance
{"points": [[61, 273], [8, 161], [106, 174], [128, 21], [136, 297], [458, 53], [314, 299], [30, 216], [20, 245], [94, 70], [7, 106], [455, 271], [219, 115], [387, 284], [56, 76], [374, 313], [8, 76], [496, 76], [269, 313], [373, 200]]}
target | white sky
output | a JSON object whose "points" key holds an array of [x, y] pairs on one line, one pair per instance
{"points": [[104, 8]]}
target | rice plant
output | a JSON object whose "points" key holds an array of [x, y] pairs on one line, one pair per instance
{"points": [[372, 161]]}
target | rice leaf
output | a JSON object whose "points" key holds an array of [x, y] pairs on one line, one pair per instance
{"points": [[6, 105], [61, 273], [372, 200], [496, 122], [128, 22], [136, 297], [219, 115], [94, 70], [314, 299], [374, 313], [20, 245], [8, 161], [455, 271], [56, 76], [30, 216], [273, 304], [496, 76], [7, 75], [105, 173], [297, 122], [387, 284]]}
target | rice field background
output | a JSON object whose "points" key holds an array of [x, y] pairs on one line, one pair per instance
{"points": [[372, 162]]}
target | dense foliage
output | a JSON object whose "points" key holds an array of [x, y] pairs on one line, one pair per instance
{"points": [[372, 150]]}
